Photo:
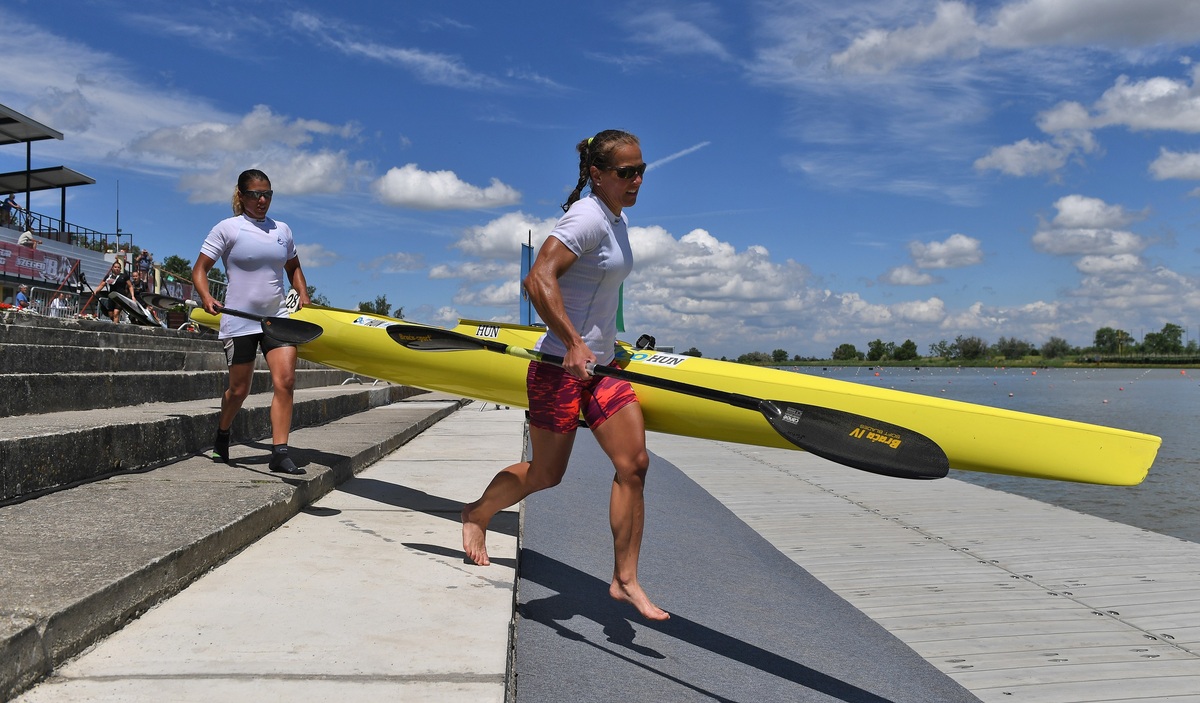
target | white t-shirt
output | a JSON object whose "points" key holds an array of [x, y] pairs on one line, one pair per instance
{"points": [[253, 253], [591, 286]]}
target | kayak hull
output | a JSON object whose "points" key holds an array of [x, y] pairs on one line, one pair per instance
{"points": [[974, 437]]}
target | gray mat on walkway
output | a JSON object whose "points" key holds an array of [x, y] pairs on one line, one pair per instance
{"points": [[747, 623]]}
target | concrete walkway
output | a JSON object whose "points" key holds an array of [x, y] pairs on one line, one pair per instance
{"points": [[364, 596]]}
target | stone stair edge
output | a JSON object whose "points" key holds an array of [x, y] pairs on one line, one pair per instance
{"points": [[38, 394], [53, 451], [32, 646]]}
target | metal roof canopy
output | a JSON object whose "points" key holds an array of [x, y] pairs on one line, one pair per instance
{"points": [[43, 179], [16, 128]]}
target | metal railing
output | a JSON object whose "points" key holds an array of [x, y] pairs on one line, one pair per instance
{"points": [[42, 302], [51, 228]]}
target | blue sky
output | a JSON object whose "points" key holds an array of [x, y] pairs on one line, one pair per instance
{"points": [[820, 172]]}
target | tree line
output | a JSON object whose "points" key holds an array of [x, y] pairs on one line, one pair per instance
{"points": [[1108, 342]]}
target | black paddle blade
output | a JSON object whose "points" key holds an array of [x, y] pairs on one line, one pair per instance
{"points": [[158, 300], [421, 338], [856, 441], [288, 330]]}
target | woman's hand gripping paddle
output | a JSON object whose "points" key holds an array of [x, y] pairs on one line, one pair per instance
{"points": [[283, 329]]}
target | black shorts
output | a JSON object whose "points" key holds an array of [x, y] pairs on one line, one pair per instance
{"points": [[241, 350]]}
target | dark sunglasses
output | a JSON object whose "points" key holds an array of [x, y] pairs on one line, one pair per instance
{"points": [[629, 172], [256, 194]]}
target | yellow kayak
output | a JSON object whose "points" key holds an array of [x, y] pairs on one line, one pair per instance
{"points": [[973, 437]]}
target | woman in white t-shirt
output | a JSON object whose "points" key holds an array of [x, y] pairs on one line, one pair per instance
{"points": [[574, 285], [260, 260]]}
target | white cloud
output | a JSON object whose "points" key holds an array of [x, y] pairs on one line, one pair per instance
{"points": [[976, 318], [502, 237], [1110, 23], [1082, 212], [1083, 241], [1024, 158], [670, 33], [109, 117], [503, 294], [291, 173], [1092, 230], [1169, 294], [957, 251], [1031, 158], [477, 271], [921, 311], [411, 187], [316, 255], [1156, 103], [396, 262], [907, 275], [952, 32], [1116, 263], [425, 66], [1174, 164], [197, 141]]}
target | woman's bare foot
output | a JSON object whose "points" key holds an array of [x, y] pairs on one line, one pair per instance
{"points": [[635, 596], [474, 538]]}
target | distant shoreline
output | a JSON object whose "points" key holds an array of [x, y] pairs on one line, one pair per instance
{"points": [[1189, 363]]}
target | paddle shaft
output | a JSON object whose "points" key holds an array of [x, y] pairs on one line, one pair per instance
{"points": [[846, 438], [735, 399], [283, 329]]}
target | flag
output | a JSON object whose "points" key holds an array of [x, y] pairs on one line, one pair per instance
{"points": [[621, 308], [526, 304]]}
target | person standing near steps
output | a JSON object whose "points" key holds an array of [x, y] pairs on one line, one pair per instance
{"points": [[574, 285], [260, 261]]}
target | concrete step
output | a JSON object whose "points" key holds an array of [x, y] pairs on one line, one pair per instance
{"points": [[51, 451], [50, 332], [37, 393], [37, 358], [79, 564]]}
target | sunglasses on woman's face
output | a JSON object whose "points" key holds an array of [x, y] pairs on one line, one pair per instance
{"points": [[256, 194], [629, 172]]}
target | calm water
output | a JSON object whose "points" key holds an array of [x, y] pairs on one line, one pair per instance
{"points": [[1161, 402]]}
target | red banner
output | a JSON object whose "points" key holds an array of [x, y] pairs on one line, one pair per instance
{"points": [[26, 262]]}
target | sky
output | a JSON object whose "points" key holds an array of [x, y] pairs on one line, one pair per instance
{"points": [[820, 173]]}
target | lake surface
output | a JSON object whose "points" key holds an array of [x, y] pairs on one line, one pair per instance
{"points": [[1161, 402]]}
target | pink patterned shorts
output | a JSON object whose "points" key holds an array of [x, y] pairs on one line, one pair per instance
{"points": [[556, 398]]}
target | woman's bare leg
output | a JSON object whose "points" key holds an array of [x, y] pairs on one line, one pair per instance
{"points": [[282, 363], [240, 376], [551, 451], [623, 438]]}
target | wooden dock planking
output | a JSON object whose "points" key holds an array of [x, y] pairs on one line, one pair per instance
{"points": [[1013, 598]]}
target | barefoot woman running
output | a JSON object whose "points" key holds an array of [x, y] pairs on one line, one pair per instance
{"points": [[574, 285]]}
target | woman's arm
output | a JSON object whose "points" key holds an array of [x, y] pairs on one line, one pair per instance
{"points": [[204, 264], [296, 276], [541, 284]]}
